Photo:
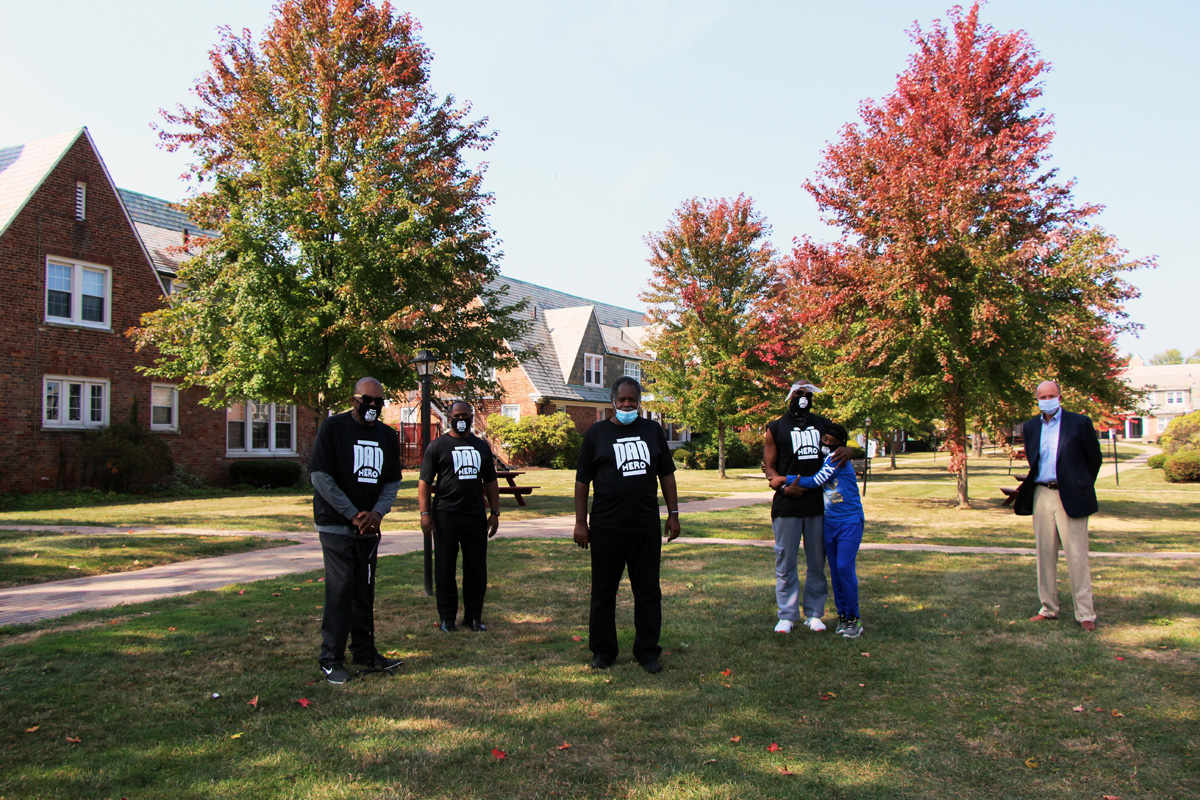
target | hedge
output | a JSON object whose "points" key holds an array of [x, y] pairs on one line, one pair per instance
{"points": [[265, 473], [1183, 467]]}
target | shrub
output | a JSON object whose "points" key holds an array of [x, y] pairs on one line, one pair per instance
{"points": [[737, 454], [682, 458], [265, 473], [544, 440], [1183, 467], [1182, 434], [752, 438], [128, 458], [1156, 461]]}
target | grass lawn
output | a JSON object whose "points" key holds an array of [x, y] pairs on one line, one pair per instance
{"points": [[40, 556], [291, 509], [950, 692]]}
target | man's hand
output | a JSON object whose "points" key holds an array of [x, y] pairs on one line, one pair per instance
{"points": [[777, 482], [672, 527], [493, 525], [427, 524], [367, 522], [841, 455], [794, 490], [581, 534]]}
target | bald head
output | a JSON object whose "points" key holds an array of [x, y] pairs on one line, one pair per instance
{"points": [[369, 386], [1047, 389]]}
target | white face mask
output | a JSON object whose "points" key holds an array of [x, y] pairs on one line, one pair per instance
{"points": [[460, 425], [370, 415], [1049, 405]]}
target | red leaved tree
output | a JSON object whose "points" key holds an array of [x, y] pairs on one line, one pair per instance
{"points": [[958, 277]]}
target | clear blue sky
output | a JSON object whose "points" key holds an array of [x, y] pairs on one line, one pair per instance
{"points": [[612, 113]]}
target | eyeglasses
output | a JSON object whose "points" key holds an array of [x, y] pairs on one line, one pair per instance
{"points": [[370, 400]]}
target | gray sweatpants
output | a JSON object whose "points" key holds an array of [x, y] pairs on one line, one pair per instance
{"points": [[790, 534]]}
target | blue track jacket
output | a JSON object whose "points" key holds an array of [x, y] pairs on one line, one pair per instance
{"points": [[840, 489]]}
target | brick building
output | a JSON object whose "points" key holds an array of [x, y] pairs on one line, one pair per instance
{"points": [[81, 261]]}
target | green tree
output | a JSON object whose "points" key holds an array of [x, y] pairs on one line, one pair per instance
{"points": [[1169, 356], [965, 269], [1194, 358], [348, 227], [716, 356]]}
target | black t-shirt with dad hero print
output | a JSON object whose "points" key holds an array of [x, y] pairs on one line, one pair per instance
{"points": [[458, 469], [798, 452], [360, 459], [624, 463]]}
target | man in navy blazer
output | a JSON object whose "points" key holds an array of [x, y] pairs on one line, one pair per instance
{"points": [[1060, 492]]}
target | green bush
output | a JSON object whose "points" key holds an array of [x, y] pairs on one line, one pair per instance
{"points": [[737, 454], [1183, 467], [752, 439], [128, 458], [265, 473], [1156, 461], [1182, 434], [682, 458], [545, 440]]}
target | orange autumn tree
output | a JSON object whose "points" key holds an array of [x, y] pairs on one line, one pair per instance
{"points": [[717, 359], [965, 269]]}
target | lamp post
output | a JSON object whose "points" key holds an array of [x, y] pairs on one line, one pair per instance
{"points": [[426, 364], [867, 456]]}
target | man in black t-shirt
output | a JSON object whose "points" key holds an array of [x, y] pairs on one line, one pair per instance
{"points": [[355, 470], [626, 457], [458, 471], [793, 447]]}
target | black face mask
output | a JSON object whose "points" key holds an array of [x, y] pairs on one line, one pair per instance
{"points": [[799, 405], [368, 411], [461, 426]]}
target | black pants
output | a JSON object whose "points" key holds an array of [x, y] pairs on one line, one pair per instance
{"points": [[349, 597], [452, 531], [613, 551]]}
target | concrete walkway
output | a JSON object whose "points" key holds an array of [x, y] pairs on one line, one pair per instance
{"points": [[26, 604]]}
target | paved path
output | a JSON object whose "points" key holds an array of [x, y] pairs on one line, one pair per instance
{"points": [[26, 604]]}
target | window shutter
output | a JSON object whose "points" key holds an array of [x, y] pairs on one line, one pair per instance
{"points": [[80, 200]]}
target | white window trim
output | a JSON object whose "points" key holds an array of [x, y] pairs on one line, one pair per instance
{"points": [[598, 363], [515, 408], [174, 426], [62, 423], [248, 435], [76, 318], [636, 367]]}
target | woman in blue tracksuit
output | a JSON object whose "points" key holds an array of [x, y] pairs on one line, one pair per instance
{"points": [[844, 521]]}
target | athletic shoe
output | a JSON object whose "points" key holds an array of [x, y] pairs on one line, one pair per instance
{"points": [[841, 626], [474, 625], [381, 663], [783, 626], [337, 674], [814, 624], [854, 628], [447, 625]]}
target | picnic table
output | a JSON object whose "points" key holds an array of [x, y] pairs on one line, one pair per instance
{"points": [[518, 492]]}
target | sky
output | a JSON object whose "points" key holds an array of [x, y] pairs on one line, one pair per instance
{"points": [[610, 114]]}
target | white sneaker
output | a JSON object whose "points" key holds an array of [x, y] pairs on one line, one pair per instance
{"points": [[783, 626], [814, 624]]}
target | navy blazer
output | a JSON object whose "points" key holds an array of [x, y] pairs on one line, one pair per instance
{"points": [[1077, 465]]}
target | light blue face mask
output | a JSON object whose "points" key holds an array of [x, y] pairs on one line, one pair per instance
{"points": [[1049, 405], [625, 417]]}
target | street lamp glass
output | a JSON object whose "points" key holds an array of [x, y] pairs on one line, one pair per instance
{"points": [[425, 362]]}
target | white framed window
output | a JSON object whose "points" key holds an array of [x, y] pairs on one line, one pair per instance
{"points": [[80, 200], [633, 369], [74, 402], [1163, 422], [1174, 398], [78, 293], [593, 370], [164, 407], [254, 428], [512, 411], [411, 415], [601, 414]]}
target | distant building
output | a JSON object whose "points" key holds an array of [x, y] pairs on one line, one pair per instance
{"points": [[1172, 390]]}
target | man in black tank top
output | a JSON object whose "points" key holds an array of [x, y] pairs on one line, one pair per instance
{"points": [[793, 447]]}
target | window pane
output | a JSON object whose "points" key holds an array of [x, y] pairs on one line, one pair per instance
{"points": [[283, 436], [161, 415], [283, 413], [75, 402], [92, 308], [97, 407], [58, 278], [162, 405], [58, 304], [53, 390], [92, 300], [235, 435], [93, 282]]}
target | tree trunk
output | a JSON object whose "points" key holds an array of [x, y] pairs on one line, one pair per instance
{"points": [[956, 440], [892, 447], [721, 448], [978, 443]]}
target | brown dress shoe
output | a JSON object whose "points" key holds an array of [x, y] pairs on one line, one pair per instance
{"points": [[1041, 618], [1088, 625]]}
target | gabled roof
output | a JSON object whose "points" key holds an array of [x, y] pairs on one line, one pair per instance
{"points": [[567, 327], [625, 341], [161, 225], [1162, 376], [545, 372], [543, 298], [24, 167]]}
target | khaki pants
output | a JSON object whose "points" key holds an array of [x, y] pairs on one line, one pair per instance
{"points": [[1052, 526]]}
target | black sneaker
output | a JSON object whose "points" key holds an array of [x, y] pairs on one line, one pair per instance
{"points": [[854, 628], [475, 625], [652, 665], [447, 625], [600, 662], [381, 663], [337, 674], [841, 626]]}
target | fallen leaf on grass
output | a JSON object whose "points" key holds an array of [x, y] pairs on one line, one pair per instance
{"points": [[216, 695], [862, 686], [31, 730], [829, 696], [564, 746], [726, 672], [1120, 658], [236, 736], [865, 655], [1032, 763], [1078, 709], [1111, 797], [499, 754], [305, 702], [773, 747], [172, 629], [74, 740], [735, 739], [711, 761], [276, 594], [253, 701], [785, 771], [241, 591], [1116, 713], [727, 685], [577, 638]]}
